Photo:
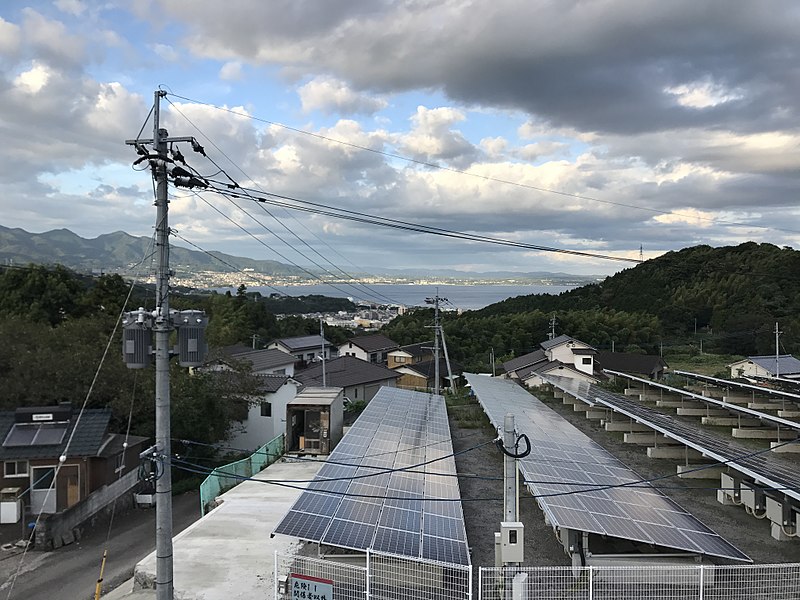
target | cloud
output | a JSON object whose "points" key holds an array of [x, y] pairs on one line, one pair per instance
{"points": [[231, 71], [73, 7], [165, 52], [432, 138], [331, 96], [51, 41]]}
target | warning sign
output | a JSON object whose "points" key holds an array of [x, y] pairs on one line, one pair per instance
{"points": [[305, 587]]}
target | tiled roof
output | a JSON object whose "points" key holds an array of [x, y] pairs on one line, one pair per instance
{"points": [[427, 368], [112, 444], [524, 361], [271, 383], [419, 349], [787, 364], [372, 343], [643, 364], [556, 341], [302, 343], [87, 441], [345, 371], [261, 360]]}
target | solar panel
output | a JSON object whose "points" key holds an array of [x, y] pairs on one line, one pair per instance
{"points": [[740, 385], [360, 500], [566, 471], [767, 469], [35, 434]]}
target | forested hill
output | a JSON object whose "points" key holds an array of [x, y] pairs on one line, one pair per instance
{"points": [[731, 287], [736, 295]]}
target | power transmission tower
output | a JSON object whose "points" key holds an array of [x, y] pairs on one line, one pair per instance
{"points": [[138, 326]]}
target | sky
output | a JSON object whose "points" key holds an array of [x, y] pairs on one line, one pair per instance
{"points": [[603, 126]]}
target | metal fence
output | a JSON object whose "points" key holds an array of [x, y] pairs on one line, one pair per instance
{"points": [[750, 582], [384, 576], [225, 477]]}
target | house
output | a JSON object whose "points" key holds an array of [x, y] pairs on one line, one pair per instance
{"points": [[266, 412], [371, 348], [305, 348], [34, 439], [315, 420], [410, 354], [270, 361], [360, 379], [765, 367], [422, 375], [647, 365], [563, 356]]}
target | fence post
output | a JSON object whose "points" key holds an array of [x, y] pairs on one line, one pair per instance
{"points": [[369, 561], [702, 582], [469, 593], [591, 582], [480, 583], [275, 577]]}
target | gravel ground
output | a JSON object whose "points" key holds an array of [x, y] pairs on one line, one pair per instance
{"points": [[482, 517]]}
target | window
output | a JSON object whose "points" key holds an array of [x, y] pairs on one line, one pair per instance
{"points": [[355, 392], [16, 468], [399, 359], [587, 360], [266, 409]]}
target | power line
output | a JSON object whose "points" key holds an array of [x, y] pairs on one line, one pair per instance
{"points": [[478, 175]]}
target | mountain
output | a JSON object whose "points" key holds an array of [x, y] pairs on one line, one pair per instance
{"points": [[116, 251]]}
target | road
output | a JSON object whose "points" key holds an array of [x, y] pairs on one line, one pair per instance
{"points": [[71, 572]]}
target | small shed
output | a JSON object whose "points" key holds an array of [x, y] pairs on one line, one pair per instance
{"points": [[315, 420]]}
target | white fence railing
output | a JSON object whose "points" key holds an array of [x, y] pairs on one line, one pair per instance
{"points": [[391, 577], [385, 576], [702, 582]]}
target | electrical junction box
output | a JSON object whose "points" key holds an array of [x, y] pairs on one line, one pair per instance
{"points": [[511, 541]]}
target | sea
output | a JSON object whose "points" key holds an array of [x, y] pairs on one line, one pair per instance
{"points": [[465, 297]]}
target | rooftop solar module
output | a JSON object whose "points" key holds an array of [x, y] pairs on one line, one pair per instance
{"points": [[765, 417], [581, 486], [765, 468], [363, 499]]}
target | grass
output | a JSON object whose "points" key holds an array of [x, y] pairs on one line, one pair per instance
{"points": [[705, 364]]}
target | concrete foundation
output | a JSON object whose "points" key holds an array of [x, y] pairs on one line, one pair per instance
{"points": [[733, 399], [789, 414], [702, 412], [712, 471], [756, 433], [627, 427], [730, 421], [672, 452], [788, 448], [646, 438], [765, 405]]}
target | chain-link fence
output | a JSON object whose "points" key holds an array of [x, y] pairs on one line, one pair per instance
{"points": [[702, 582], [225, 477]]}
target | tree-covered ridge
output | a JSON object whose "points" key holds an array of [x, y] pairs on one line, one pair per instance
{"points": [[732, 296]]}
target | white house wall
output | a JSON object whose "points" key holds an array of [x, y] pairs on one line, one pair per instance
{"points": [[257, 430]]}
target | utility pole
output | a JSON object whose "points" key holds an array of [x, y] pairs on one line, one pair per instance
{"points": [[491, 359], [322, 341], [777, 351], [191, 345], [435, 301], [552, 333], [510, 511]]}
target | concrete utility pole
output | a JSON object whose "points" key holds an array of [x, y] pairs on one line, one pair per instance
{"points": [[510, 511], [322, 341], [162, 326], [777, 352], [435, 301]]}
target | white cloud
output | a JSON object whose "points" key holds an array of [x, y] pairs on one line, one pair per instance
{"points": [[32, 80], [10, 38], [165, 52], [72, 7], [231, 71], [52, 40], [702, 94], [330, 96]]}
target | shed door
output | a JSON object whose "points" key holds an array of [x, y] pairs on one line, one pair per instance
{"points": [[43, 492]]}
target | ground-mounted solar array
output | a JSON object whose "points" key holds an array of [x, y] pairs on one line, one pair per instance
{"points": [[581, 486], [763, 467], [366, 497], [758, 389]]}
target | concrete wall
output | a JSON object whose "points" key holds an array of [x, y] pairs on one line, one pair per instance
{"points": [[64, 528], [257, 430]]}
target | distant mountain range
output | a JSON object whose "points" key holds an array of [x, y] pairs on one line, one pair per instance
{"points": [[119, 251]]}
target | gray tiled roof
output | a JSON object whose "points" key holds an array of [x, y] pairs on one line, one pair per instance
{"points": [[89, 436], [261, 360], [787, 364], [302, 343], [427, 368], [345, 371], [271, 383], [524, 361], [419, 349], [556, 341], [372, 343]]}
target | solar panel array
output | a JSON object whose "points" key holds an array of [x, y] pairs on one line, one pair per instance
{"points": [[765, 468], [740, 385], [365, 497], [765, 417], [581, 486]]}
